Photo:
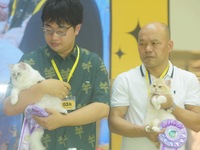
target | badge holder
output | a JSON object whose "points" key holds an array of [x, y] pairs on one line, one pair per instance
{"points": [[69, 103]]}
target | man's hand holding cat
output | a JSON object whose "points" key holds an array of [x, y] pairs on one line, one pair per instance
{"points": [[55, 88], [169, 102], [153, 136], [53, 121]]}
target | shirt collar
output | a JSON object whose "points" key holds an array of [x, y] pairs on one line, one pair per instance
{"points": [[52, 54], [170, 72]]}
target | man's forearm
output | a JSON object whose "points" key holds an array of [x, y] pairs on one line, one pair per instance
{"points": [[25, 98]]}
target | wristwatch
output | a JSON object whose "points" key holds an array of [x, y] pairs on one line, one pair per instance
{"points": [[171, 109]]}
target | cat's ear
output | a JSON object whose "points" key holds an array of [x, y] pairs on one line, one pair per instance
{"points": [[168, 82], [22, 65], [11, 66]]}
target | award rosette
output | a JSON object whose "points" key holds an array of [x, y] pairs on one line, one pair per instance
{"points": [[29, 125], [34, 110], [174, 136]]}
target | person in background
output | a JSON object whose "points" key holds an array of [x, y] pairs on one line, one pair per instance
{"points": [[3, 13], [130, 91], [14, 15], [19, 13], [89, 84]]}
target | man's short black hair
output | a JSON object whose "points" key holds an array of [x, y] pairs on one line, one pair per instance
{"points": [[63, 11]]}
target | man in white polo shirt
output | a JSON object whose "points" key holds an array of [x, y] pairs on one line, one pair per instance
{"points": [[130, 91]]}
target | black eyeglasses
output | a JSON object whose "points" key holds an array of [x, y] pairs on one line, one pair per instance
{"points": [[59, 31]]}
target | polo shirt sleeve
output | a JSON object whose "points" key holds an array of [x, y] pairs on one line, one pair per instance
{"points": [[193, 92], [120, 96]]}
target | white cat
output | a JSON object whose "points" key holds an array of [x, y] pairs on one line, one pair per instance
{"points": [[155, 115], [24, 76]]}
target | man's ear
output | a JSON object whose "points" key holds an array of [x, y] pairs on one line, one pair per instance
{"points": [[77, 29], [170, 45]]}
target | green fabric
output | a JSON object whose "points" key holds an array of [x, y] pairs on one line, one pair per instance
{"points": [[89, 84]]}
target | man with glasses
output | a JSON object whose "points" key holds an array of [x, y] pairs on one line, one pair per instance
{"points": [[61, 31], [91, 26], [72, 72]]}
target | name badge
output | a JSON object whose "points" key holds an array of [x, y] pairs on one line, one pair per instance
{"points": [[69, 103]]}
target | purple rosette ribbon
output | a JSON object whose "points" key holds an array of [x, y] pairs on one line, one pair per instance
{"points": [[174, 136], [34, 110], [29, 125]]}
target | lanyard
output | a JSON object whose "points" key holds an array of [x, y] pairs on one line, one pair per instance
{"points": [[148, 76], [71, 71], [14, 5], [39, 5]]}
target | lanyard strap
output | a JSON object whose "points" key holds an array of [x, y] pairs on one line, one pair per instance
{"points": [[71, 71], [39, 5], [14, 5]]}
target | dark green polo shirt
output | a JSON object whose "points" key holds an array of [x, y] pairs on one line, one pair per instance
{"points": [[89, 84]]}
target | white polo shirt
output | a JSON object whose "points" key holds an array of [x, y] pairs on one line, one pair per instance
{"points": [[131, 89]]}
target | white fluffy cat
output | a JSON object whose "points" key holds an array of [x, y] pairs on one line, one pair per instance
{"points": [[155, 115], [24, 76]]}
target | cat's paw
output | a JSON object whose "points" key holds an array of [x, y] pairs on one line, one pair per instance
{"points": [[155, 102], [158, 101], [157, 106], [63, 110], [14, 100], [149, 128], [161, 99], [155, 129]]}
